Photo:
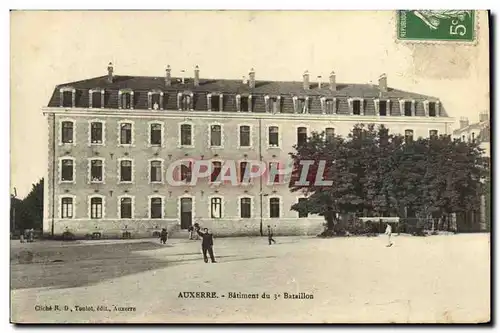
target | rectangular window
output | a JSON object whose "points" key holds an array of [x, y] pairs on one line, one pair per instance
{"points": [[408, 136], [126, 134], [216, 208], [433, 133], [215, 136], [186, 172], [356, 107], [432, 109], [275, 104], [96, 132], [330, 106], [155, 171], [96, 99], [274, 176], [302, 106], [67, 132], [244, 136], [244, 104], [215, 103], [126, 100], [67, 208], [216, 170], [408, 108], [126, 171], [126, 208], [155, 101], [155, 135], [96, 171], [273, 136], [96, 208], [156, 208], [245, 208], [67, 170], [244, 178], [186, 102], [302, 214], [186, 139], [301, 135], [274, 208], [382, 108], [329, 134], [67, 99]]}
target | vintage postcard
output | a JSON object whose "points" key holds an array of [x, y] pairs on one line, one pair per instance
{"points": [[250, 167]]}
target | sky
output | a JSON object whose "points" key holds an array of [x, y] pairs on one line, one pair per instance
{"points": [[50, 48]]}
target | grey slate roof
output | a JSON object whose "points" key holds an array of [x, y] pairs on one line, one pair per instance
{"points": [[143, 84]]}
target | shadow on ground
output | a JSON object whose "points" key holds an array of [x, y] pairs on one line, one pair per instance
{"points": [[56, 266], [75, 266]]}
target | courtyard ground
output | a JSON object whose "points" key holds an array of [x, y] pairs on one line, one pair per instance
{"points": [[436, 279]]}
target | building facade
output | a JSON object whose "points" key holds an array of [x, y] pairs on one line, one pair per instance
{"points": [[113, 138], [476, 132]]}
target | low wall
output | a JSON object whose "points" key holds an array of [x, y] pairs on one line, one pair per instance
{"points": [[219, 227]]}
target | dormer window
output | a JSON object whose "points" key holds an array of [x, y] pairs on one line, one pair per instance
{"points": [[407, 108], [356, 106], [273, 104], [301, 104], [244, 103], [125, 99], [328, 105], [155, 100], [67, 97], [382, 107], [431, 108], [215, 102], [96, 98], [185, 101]]}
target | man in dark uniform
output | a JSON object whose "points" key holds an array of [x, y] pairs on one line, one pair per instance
{"points": [[270, 235], [163, 236], [206, 244]]}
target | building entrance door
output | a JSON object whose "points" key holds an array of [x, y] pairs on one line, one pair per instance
{"points": [[186, 212]]}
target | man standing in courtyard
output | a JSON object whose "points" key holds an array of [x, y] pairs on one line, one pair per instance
{"points": [[207, 244], [270, 235], [388, 232], [163, 236]]}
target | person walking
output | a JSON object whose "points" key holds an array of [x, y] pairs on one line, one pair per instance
{"points": [[191, 232], [270, 235], [163, 236], [388, 232], [207, 244]]}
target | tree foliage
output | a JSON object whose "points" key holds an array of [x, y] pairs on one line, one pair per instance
{"points": [[375, 173], [28, 212]]}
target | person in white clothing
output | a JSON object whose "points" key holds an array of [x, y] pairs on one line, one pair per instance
{"points": [[388, 232]]}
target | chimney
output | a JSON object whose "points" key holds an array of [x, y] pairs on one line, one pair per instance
{"points": [[333, 83], [464, 122], [183, 79], [484, 116], [110, 72], [382, 83], [306, 80], [168, 76], [319, 81], [196, 76], [251, 79]]}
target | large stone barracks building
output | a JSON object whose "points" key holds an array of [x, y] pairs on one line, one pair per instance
{"points": [[112, 139]]}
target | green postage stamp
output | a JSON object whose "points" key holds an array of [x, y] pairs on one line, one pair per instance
{"points": [[436, 25]]}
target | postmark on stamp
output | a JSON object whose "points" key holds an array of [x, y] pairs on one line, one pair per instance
{"points": [[436, 25]]}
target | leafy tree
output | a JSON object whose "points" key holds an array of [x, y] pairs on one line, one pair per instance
{"points": [[375, 173], [28, 212]]}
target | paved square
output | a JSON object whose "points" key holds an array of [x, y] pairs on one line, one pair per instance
{"points": [[358, 279]]}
